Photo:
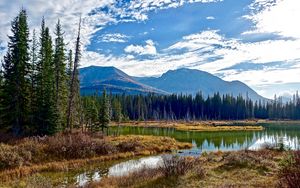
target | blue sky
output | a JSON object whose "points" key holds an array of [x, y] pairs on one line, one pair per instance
{"points": [[254, 41]]}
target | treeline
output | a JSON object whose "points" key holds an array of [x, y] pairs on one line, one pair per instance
{"points": [[40, 92], [39, 85], [188, 107]]}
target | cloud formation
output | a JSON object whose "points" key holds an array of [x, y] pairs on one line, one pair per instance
{"points": [[148, 49], [114, 37], [207, 49], [275, 16]]}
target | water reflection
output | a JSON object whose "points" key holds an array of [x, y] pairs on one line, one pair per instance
{"points": [[120, 169], [288, 135], [133, 165]]}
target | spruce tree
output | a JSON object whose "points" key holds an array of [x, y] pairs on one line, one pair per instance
{"points": [[117, 111], [104, 115], [1, 96], [92, 115], [69, 68], [61, 91], [46, 112], [33, 80], [16, 89]]}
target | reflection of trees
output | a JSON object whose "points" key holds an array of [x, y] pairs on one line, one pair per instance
{"points": [[221, 139]]}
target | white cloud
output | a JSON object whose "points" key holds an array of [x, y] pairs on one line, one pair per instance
{"points": [[198, 41], [148, 49], [276, 16], [210, 18], [70, 10], [207, 50], [114, 37]]}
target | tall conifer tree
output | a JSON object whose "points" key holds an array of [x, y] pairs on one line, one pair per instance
{"points": [[47, 112], [61, 92], [104, 112], [16, 89], [33, 81]]}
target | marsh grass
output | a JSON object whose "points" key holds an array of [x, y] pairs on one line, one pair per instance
{"points": [[165, 175], [289, 174], [64, 151], [198, 125], [218, 169]]}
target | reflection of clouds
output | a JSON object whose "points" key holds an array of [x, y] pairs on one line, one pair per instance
{"points": [[287, 141], [208, 142], [120, 169], [82, 179], [134, 165]]}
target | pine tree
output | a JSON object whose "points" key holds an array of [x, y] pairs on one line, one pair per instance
{"points": [[61, 92], [46, 112], [1, 96], [70, 68], [92, 114], [16, 75], [104, 115], [117, 111], [33, 79], [74, 104]]}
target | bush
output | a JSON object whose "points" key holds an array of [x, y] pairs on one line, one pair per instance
{"points": [[12, 156], [104, 148], [129, 146], [289, 174], [70, 146], [177, 166]]}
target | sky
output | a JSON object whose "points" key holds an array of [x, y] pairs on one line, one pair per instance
{"points": [[254, 41]]}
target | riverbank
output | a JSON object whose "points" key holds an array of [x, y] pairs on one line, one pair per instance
{"points": [[63, 152], [250, 125], [261, 168]]}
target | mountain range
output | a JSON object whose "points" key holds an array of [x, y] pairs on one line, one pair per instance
{"points": [[185, 81]]}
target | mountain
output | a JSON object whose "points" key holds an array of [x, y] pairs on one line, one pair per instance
{"points": [[190, 81], [95, 78], [186, 81]]}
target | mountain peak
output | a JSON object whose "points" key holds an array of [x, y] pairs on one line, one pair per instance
{"points": [[183, 80], [94, 78], [192, 81]]}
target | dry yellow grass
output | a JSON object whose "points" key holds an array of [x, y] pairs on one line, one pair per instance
{"points": [[228, 169], [128, 146], [199, 125]]}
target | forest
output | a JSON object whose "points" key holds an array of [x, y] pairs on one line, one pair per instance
{"points": [[53, 136], [40, 92], [189, 108]]}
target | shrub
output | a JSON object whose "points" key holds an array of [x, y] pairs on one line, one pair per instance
{"points": [[176, 166], [104, 148], [129, 146], [78, 145], [276, 147], [289, 174], [12, 156], [70, 146]]}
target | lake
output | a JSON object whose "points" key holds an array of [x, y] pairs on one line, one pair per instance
{"points": [[287, 135], [274, 134]]}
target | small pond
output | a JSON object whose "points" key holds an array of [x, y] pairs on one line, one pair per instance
{"points": [[286, 135]]}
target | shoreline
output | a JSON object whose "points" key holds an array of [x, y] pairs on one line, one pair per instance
{"points": [[147, 145], [199, 126], [214, 169]]}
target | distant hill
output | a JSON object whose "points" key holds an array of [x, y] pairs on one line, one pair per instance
{"points": [[185, 81], [95, 78], [190, 81]]}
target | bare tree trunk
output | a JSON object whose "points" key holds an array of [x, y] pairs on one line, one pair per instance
{"points": [[74, 85]]}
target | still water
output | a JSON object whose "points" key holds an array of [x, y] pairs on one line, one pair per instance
{"points": [[274, 134], [287, 135]]}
